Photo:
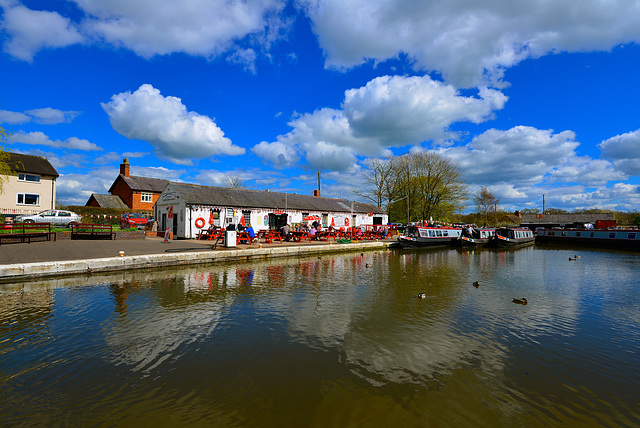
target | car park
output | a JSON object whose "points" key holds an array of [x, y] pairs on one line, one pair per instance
{"points": [[60, 218], [133, 220]]}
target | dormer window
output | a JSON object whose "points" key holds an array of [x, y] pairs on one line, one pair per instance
{"points": [[31, 178]]}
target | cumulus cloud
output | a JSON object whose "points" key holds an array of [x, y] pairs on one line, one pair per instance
{"points": [[624, 150], [389, 111], [149, 27], [41, 139], [32, 30], [468, 42], [164, 122], [400, 110]]}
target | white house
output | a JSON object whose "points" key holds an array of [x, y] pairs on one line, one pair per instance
{"points": [[188, 208], [31, 186]]}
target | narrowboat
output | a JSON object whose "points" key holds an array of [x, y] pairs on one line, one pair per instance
{"points": [[425, 236], [513, 237], [478, 238], [622, 239]]}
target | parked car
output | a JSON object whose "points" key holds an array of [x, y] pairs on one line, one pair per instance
{"points": [[133, 220], [55, 217]]}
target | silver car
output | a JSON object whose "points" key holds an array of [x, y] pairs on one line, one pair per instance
{"points": [[55, 217]]}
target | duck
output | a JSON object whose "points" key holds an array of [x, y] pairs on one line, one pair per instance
{"points": [[570, 259], [522, 301], [476, 284], [422, 296]]}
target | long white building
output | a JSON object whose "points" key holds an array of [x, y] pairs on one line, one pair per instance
{"points": [[186, 209]]}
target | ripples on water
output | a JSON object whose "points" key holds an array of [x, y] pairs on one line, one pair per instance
{"points": [[337, 340]]}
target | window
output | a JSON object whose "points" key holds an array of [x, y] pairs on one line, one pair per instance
{"points": [[632, 235], [28, 199], [146, 197], [29, 177], [247, 217]]}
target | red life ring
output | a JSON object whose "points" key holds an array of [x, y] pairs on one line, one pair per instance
{"points": [[199, 222], [346, 221]]}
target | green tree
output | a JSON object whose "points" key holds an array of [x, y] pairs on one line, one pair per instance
{"points": [[416, 186], [5, 170]]}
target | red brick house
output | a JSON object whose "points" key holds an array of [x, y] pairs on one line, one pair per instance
{"points": [[137, 193]]}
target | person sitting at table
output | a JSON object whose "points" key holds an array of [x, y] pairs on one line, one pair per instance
{"points": [[250, 232], [312, 233], [285, 231]]}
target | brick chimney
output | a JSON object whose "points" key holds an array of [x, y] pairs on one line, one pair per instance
{"points": [[125, 166], [316, 193]]}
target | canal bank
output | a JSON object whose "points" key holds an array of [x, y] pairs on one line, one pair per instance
{"points": [[46, 259]]}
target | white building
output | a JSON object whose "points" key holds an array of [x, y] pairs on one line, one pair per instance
{"points": [[188, 208], [31, 186]]}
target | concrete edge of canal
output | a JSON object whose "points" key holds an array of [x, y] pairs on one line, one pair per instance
{"points": [[28, 271]]}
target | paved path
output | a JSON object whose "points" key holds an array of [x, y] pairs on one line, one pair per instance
{"points": [[50, 251]]}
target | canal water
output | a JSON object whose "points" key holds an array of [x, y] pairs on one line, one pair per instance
{"points": [[338, 340]]}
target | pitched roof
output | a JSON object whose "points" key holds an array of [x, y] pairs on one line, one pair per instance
{"points": [[108, 201], [31, 164], [142, 184], [565, 218], [223, 196]]}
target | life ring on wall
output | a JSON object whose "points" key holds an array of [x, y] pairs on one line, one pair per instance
{"points": [[346, 221], [199, 222]]}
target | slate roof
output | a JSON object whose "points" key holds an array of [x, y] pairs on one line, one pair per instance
{"points": [[108, 201], [142, 184], [194, 194], [31, 164], [565, 218]]}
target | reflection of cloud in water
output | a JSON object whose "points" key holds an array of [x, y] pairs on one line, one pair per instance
{"points": [[152, 334]]}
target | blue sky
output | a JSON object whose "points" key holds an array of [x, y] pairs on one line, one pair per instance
{"points": [[530, 98]]}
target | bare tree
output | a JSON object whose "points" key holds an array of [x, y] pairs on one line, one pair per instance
{"points": [[233, 180], [377, 179], [485, 202]]}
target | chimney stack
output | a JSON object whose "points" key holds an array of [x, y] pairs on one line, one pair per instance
{"points": [[125, 167]]}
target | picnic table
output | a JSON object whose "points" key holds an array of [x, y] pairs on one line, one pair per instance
{"points": [[299, 236]]}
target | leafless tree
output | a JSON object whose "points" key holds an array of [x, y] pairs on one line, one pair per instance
{"points": [[485, 202], [233, 180]]}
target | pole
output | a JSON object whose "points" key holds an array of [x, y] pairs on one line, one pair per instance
{"points": [[408, 216], [543, 204], [495, 213]]}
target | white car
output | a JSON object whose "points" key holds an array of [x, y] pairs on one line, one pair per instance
{"points": [[55, 217]]}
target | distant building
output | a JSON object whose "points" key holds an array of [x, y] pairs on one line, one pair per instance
{"points": [[31, 186], [533, 221], [189, 208], [136, 193], [106, 201]]}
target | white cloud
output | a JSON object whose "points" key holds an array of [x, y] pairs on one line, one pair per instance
{"points": [[387, 112], [33, 30], [43, 116], [280, 155], [51, 116], [407, 110], [244, 57], [41, 139], [164, 122], [624, 150], [13, 118], [468, 42]]}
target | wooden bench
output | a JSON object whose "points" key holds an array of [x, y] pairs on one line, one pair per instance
{"points": [[23, 232], [92, 231]]}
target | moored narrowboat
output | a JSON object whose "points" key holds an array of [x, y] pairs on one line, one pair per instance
{"points": [[623, 239], [513, 237], [420, 237], [477, 238]]}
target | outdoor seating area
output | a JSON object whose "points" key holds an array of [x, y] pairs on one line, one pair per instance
{"points": [[269, 236], [24, 232]]}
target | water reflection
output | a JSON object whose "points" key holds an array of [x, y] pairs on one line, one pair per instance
{"points": [[331, 340]]}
